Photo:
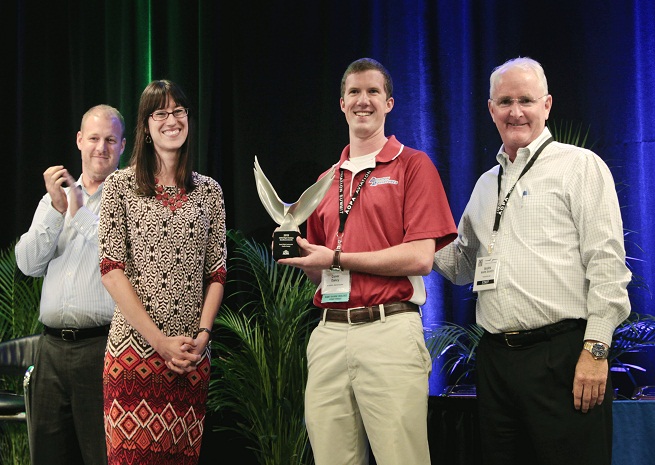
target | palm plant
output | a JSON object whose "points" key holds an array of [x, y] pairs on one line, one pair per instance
{"points": [[19, 312], [259, 366], [19, 299], [635, 334], [456, 345], [567, 133]]}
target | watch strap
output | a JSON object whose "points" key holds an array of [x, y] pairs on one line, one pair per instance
{"points": [[204, 330], [336, 261]]}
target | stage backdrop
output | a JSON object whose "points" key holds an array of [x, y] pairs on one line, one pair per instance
{"points": [[264, 80]]}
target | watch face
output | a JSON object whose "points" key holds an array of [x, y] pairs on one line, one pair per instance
{"points": [[599, 351]]}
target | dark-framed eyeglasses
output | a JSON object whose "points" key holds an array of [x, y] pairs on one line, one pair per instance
{"points": [[161, 115], [525, 102]]}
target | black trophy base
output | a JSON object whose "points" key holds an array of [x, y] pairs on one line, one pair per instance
{"points": [[284, 244]]}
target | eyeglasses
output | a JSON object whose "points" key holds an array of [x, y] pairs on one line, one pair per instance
{"points": [[161, 115], [524, 102]]}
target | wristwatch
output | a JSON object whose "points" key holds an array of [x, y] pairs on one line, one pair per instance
{"points": [[598, 350]]}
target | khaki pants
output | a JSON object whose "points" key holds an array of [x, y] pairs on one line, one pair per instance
{"points": [[368, 383]]}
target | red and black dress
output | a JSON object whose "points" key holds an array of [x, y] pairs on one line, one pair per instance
{"points": [[170, 246]]}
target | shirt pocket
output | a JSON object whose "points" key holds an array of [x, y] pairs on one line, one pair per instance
{"points": [[540, 219]]}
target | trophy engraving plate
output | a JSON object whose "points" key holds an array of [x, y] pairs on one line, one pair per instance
{"points": [[284, 244]]}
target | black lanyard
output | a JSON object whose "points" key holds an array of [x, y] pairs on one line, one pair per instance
{"points": [[343, 214], [501, 206]]}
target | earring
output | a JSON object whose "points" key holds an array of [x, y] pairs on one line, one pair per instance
{"points": [[148, 139]]}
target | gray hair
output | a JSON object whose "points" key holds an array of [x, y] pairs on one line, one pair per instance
{"points": [[524, 63]]}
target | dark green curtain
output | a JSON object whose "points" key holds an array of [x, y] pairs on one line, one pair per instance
{"points": [[264, 80]]}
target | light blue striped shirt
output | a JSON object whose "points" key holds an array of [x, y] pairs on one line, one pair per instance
{"points": [[65, 251]]}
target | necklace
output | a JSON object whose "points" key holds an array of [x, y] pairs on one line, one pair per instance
{"points": [[171, 201]]}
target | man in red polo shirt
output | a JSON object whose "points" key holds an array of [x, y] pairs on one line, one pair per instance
{"points": [[369, 243]]}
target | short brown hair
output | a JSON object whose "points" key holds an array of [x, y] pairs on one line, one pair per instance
{"points": [[365, 64]]}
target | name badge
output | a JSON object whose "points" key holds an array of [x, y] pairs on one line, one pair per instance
{"points": [[335, 286], [486, 274]]}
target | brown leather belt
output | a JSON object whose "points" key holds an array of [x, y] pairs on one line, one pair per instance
{"points": [[75, 334], [367, 314]]}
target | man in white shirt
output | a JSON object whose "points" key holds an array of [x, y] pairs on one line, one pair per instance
{"points": [[541, 239], [66, 402]]}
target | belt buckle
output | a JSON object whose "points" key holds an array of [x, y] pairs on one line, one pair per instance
{"points": [[350, 322], [509, 344], [69, 334]]}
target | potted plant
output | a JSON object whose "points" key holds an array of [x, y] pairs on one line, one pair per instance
{"points": [[259, 367]]}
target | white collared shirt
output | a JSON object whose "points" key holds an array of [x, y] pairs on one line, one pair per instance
{"points": [[65, 251], [560, 243]]}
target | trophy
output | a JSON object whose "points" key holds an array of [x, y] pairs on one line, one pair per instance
{"points": [[289, 216]]}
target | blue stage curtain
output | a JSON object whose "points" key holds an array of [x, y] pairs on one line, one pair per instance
{"points": [[265, 81], [598, 58]]}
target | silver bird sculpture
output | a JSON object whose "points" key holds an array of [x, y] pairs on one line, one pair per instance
{"points": [[290, 215]]}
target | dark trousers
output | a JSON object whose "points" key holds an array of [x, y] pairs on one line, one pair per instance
{"points": [[66, 404], [526, 407]]}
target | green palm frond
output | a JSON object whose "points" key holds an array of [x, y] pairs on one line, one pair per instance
{"points": [[259, 366], [456, 346], [567, 132], [19, 299], [19, 313], [634, 334]]}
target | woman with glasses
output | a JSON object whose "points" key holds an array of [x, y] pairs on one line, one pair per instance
{"points": [[163, 260]]}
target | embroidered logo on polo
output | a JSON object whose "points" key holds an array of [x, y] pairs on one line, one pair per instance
{"points": [[379, 181]]}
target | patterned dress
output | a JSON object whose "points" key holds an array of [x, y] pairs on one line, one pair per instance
{"points": [[170, 246]]}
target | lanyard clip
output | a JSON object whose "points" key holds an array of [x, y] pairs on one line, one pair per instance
{"points": [[492, 244]]}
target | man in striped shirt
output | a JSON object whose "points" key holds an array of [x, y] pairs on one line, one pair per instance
{"points": [[65, 395]]}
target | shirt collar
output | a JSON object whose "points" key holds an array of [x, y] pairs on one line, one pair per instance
{"points": [[523, 154], [391, 150], [80, 184]]}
